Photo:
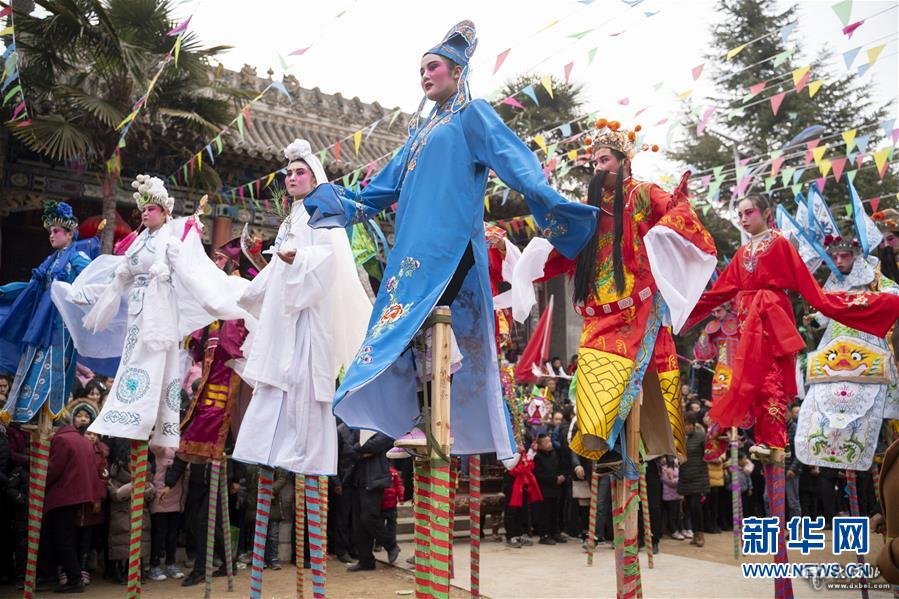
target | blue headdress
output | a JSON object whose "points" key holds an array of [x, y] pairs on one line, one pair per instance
{"points": [[59, 214], [458, 45]]}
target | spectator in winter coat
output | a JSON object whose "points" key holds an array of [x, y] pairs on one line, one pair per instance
{"points": [[393, 495], [693, 482], [672, 499], [551, 476], [72, 480], [165, 516]]}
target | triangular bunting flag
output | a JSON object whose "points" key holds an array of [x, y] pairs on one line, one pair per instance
{"points": [[697, 71], [717, 171], [786, 30], [798, 75], [859, 159], [848, 30], [735, 51], [796, 188], [880, 159], [572, 155], [874, 53], [685, 95], [591, 54], [824, 167], [887, 126], [786, 175], [776, 164], [849, 139], [861, 142], [357, 140], [567, 71], [862, 69], [769, 183], [337, 151], [843, 10], [819, 152], [821, 182], [813, 87], [776, 101], [851, 175], [875, 203], [580, 35], [500, 59], [838, 164], [530, 93], [510, 101], [547, 84], [798, 174], [782, 57], [849, 56], [541, 142], [756, 89]]}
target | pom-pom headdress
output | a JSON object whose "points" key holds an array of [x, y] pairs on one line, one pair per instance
{"points": [[835, 243], [59, 214], [887, 220], [151, 190], [299, 149], [610, 134]]}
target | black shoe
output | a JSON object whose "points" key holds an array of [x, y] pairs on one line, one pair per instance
{"points": [[77, 587], [392, 554], [307, 565], [655, 548], [357, 567], [345, 558], [192, 579], [546, 540], [223, 571], [559, 538]]}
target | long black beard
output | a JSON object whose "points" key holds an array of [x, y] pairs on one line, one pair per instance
{"points": [[585, 271]]}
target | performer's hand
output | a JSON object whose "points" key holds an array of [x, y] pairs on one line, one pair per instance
{"points": [[235, 487], [791, 474], [579, 472], [560, 479], [163, 493], [288, 256], [878, 524]]}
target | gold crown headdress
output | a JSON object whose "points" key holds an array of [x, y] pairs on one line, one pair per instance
{"points": [[609, 134]]}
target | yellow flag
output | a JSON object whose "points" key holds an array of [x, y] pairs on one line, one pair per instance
{"points": [[5, 31], [540, 141], [814, 86], [200, 160], [357, 140], [824, 167], [880, 158], [685, 95], [735, 51], [572, 155], [271, 177], [547, 83], [177, 49], [550, 25], [487, 204], [874, 53], [849, 138], [799, 73], [818, 153], [126, 120]]}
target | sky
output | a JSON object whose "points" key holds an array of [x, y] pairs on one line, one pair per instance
{"points": [[371, 49]]}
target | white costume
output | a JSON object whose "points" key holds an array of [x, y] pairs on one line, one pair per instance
{"points": [[312, 316]]}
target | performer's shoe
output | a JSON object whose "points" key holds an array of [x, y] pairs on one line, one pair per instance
{"points": [[610, 461], [392, 554], [74, 587], [400, 453], [560, 538], [345, 558], [357, 567], [546, 540], [413, 439], [192, 579]]}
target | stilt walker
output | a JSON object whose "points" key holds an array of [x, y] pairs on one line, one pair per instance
{"points": [[591, 518], [36, 340], [775, 486], [263, 509], [474, 514], [735, 493]]}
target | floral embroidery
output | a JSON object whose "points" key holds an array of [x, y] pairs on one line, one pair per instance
{"points": [[751, 256], [554, 228], [134, 385], [394, 311], [173, 395], [120, 417], [130, 342]]}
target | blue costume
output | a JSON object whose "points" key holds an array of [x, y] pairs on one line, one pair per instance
{"points": [[438, 181], [33, 332]]}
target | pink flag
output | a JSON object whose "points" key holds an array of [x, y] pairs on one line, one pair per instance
{"points": [[838, 164], [568, 68], [500, 59], [776, 101], [757, 88], [821, 181], [299, 52], [513, 102], [850, 28], [5, 11], [875, 202], [180, 28], [624, 101], [776, 164], [697, 71], [859, 158]]}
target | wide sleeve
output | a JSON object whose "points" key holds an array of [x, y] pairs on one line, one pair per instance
{"points": [[725, 289], [681, 252], [568, 225], [308, 279], [538, 262], [871, 312], [330, 206]]}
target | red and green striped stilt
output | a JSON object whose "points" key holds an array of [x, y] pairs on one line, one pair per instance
{"points": [[644, 507], [591, 519], [474, 515], [139, 465], [316, 536], [299, 532], [215, 475], [852, 485], [775, 487], [263, 509], [421, 508], [441, 528], [735, 495], [226, 525], [37, 486], [454, 485], [625, 543], [324, 490]]}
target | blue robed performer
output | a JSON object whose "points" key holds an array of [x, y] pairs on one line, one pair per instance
{"points": [[32, 331], [438, 181]]}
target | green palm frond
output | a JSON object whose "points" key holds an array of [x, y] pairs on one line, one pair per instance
{"points": [[187, 116], [55, 137], [103, 110]]}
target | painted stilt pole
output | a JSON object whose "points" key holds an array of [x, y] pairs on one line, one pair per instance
{"points": [[774, 484], [39, 461], [299, 532], [138, 490], [591, 519], [215, 470], [647, 524], [624, 512], [851, 483], [316, 542], [263, 508], [474, 513], [735, 495], [421, 509], [226, 526]]}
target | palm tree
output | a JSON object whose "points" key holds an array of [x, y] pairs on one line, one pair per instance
{"points": [[85, 62]]}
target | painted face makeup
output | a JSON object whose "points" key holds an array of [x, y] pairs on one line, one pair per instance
{"points": [[844, 261], [437, 81], [751, 218], [60, 238], [605, 160], [152, 216], [299, 179]]}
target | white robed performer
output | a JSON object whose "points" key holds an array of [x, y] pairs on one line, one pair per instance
{"points": [[138, 306], [312, 315]]}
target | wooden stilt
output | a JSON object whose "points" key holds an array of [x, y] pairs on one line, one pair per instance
{"points": [[226, 526], [735, 494], [39, 460], [474, 515], [624, 513], [299, 531], [139, 463], [774, 485], [591, 518], [263, 508], [852, 485], [214, 484]]}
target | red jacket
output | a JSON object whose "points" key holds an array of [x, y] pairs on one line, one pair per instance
{"points": [[394, 493], [72, 477]]}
